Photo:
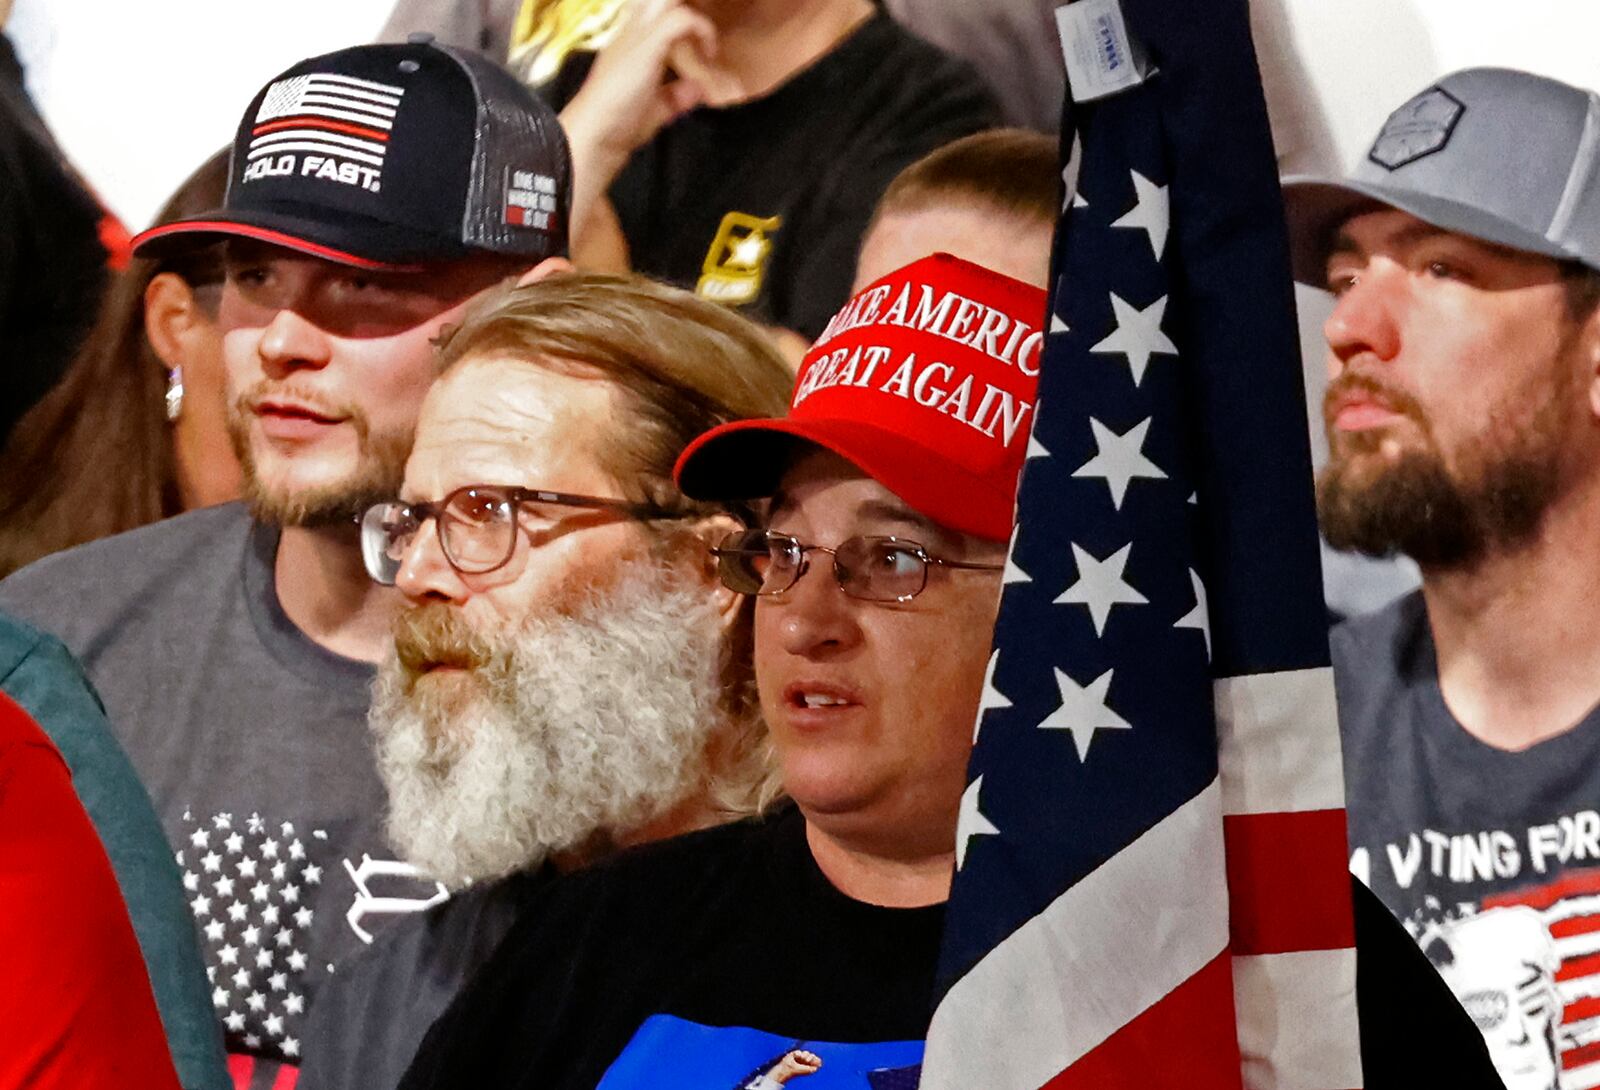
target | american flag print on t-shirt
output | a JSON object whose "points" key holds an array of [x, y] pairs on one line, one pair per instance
{"points": [[327, 114], [249, 882]]}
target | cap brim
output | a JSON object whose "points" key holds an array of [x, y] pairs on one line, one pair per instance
{"points": [[1316, 207], [350, 240], [746, 459]]}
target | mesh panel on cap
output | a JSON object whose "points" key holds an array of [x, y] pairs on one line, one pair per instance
{"points": [[515, 133]]}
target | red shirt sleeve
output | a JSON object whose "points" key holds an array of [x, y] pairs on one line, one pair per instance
{"points": [[76, 1009]]}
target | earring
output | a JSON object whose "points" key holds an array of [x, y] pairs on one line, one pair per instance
{"points": [[174, 392]]}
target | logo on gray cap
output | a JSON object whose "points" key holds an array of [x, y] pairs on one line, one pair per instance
{"points": [[1419, 128]]}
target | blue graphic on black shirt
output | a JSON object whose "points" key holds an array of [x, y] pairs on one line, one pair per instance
{"points": [[669, 1053]]}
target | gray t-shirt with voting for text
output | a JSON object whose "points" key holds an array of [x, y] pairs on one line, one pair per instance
{"points": [[252, 741], [1490, 858]]}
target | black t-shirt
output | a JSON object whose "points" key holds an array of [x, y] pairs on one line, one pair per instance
{"points": [[370, 1016], [52, 264], [697, 964], [1491, 858], [714, 954], [762, 205]]}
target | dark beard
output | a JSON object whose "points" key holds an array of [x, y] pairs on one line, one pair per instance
{"points": [[1415, 506], [1412, 508]]}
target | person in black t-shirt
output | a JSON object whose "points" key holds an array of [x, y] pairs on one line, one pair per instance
{"points": [[876, 578], [738, 148]]}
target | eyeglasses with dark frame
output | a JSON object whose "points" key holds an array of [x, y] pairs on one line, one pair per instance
{"points": [[477, 526], [870, 569]]}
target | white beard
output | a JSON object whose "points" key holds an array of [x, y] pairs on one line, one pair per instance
{"points": [[576, 725]]}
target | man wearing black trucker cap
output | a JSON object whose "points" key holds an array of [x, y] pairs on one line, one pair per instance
{"points": [[373, 193], [1463, 421]]}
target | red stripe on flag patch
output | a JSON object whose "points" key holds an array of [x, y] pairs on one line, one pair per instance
{"points": [[320, 123], [1288, 888], [1577, 1057], [1574, 884], [1576, 967], [1575, 925], [288, 1076], [1172, 1043], [1581, 1009], [241, 1069]]}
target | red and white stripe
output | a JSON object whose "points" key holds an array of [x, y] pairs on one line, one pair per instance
{"points": [[327, 113], [1105, 986], [1292, 933], [1234, 907], [1570, 908]]}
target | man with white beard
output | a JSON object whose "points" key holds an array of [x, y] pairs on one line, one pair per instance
{"points": [[576, 728], [569, 675]]}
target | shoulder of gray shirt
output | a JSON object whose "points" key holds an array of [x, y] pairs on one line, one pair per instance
{"points": [[78, 593], [1369, 654]]}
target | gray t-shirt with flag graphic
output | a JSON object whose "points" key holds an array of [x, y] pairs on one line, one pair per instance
{"points": [[252, 741], [1490, 858]]}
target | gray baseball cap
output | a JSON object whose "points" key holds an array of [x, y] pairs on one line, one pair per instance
{"points": [[1501, 155]]}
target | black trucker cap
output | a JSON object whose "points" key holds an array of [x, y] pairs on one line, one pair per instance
{"points": [[391, 157]]}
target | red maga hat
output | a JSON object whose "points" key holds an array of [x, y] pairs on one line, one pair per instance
{"points": [[925, 380]]}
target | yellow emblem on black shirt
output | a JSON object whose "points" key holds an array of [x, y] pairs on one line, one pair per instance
{"points": [[547, 32], [737, 259]]}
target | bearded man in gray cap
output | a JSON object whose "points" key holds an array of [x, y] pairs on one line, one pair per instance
{"points": [[1463, 419]]}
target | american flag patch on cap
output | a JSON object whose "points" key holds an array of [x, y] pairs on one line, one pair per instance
{"points": [[329, 114]]}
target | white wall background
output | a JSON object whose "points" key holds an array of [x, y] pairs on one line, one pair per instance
{"points": [[139, 92], [1347, 63]]}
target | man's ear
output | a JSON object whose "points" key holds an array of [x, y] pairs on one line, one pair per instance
{"points": [[170, 311], [548, 267], [710, 531], [1589, 346]]}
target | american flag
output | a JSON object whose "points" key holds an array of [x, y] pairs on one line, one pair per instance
{"points": [[1151, 886], [330, 114]]}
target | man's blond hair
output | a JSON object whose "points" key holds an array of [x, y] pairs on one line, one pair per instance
{"points": [[1012, 171]]}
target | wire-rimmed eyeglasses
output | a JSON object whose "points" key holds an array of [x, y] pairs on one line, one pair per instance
{"points": [[872, 569], [477, 526]]}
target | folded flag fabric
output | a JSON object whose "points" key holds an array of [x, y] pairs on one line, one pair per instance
{"points": [[1152, 888]]}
